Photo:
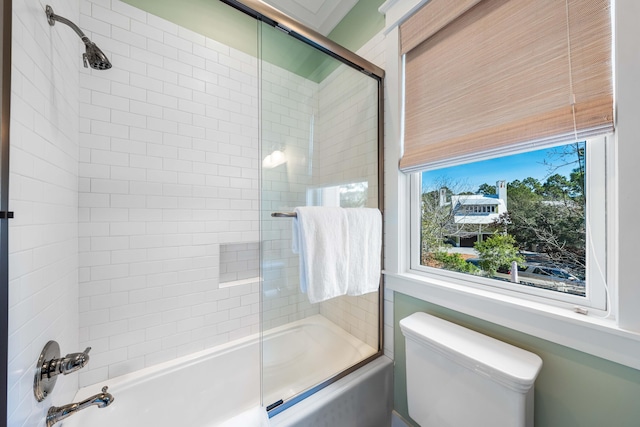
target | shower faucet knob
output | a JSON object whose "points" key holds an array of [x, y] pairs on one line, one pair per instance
{"points": [[73, 362], [50, 365]]}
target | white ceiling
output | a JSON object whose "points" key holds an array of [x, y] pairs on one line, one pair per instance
{"points": [[319, 15]]}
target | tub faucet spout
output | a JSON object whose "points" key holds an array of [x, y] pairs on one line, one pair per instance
{"points": [[59, 413]]}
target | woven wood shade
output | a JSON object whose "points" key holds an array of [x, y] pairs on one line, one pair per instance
{"points": [[503, 73], [429, 20]]}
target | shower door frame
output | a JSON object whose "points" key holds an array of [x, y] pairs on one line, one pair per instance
{"points": [[5, 100], [273, 17]]}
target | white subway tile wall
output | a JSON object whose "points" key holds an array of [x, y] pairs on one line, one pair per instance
{"points": [[43, 236], [290, 106], [168, 176], [347, 147]]}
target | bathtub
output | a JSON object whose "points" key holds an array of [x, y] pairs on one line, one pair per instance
{"points": [[211, 387]]}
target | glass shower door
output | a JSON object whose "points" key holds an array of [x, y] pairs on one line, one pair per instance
{"points": [[319, 147]]}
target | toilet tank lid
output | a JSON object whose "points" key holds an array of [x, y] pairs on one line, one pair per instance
{"points": [[512, 366]]}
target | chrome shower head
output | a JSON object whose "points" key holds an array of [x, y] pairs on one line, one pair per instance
{"points": [[93, 57]]}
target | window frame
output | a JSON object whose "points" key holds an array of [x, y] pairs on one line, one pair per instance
{"points": [[599, 177]]}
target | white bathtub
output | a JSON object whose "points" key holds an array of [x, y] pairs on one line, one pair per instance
{"points": [[210, 387]]}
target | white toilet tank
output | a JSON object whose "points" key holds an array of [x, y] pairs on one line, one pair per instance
{"points": [[457, 377]]}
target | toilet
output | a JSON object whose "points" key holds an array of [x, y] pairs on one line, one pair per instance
{"points": [[457, 377]]}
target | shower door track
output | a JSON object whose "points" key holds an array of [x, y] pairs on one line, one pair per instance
{"points": [[273, 17], [269, 15]]}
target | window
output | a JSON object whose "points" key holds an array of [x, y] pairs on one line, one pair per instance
{"points": [[531, 222], [475, 104], [351, 195]]}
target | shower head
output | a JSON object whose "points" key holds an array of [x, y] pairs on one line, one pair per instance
{"points": [[93, 57]]}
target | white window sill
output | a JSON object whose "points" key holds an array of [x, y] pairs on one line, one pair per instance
{"points": [[592, 335]]}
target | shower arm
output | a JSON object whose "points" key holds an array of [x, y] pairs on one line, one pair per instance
{"points": [[52, 18]]}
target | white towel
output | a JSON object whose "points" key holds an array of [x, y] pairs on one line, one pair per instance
{"points": [[365, 243], [321, 240]]}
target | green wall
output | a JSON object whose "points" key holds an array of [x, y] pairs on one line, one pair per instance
{"points": [[359, 25], [222, 23], [211, 18], [573, 388]]}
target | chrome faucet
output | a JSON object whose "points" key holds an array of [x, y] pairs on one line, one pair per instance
{"points": [[68, 364], [50, 365], [59, 413]]}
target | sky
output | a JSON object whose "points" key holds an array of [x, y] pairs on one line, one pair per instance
{"points": [[470, 176]]}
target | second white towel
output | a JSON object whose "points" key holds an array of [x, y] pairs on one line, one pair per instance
{"points": [[365, 243]]}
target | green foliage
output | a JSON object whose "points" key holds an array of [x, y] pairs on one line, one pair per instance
{"points": [[486, 189], [549, 218], [454, 262], [498, 251], [529, 189], [435, 219], [557, 187]]}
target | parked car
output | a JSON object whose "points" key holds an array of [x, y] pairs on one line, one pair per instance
{"points": [[544, 272], [474, 261], [537, 272], [450, 242]]}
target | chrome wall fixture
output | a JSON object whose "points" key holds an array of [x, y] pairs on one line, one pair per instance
{"points": [[50, 365], [93, 57], [59, 413]]}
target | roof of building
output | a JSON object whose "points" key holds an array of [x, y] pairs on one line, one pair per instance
{"points": [[476, 199]]}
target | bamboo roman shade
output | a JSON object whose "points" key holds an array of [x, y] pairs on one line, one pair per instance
{"points": [[484, 75]]}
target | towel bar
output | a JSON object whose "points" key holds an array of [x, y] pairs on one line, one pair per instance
{"points": [[287, 214], [284, 215]]}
